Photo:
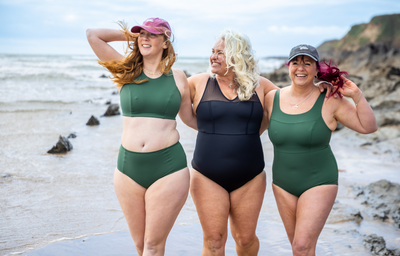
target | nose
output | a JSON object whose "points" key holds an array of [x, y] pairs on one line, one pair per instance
{"points": [[213, 56]]}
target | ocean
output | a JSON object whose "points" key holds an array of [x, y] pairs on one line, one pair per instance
{"points": [[48, 198]]}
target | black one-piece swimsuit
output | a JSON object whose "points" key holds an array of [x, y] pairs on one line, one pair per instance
{"points": [[228, 147]]}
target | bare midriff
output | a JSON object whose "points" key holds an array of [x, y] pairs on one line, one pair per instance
{"points": [[147, 134]]}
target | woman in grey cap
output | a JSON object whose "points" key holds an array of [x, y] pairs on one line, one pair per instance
{"points": [[301, 121]]}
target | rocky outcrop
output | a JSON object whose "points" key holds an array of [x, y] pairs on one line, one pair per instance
{"points": [[377, 246], [63, 145], [382, 201], [280, 77]]}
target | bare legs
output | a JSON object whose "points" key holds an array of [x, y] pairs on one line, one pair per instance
{"points": [[151, 213], [214, 205], [304, 217]]}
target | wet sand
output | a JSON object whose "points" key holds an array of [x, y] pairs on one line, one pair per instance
{"points": [[359, 166]]}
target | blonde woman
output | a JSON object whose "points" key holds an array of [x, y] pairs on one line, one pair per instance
{"points": [[228, 179], [152, 179]]}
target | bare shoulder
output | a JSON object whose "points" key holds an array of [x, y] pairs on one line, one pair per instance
{"points": [[267, 85], [178, 73], [271, 94], [198, 78]]}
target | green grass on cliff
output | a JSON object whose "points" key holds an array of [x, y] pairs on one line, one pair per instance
{"points": [[390, 26], [356, 30]]}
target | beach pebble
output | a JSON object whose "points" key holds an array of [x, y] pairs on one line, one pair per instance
{"points": [[72, 135], [112, 110], [93, 121], [63, 145]]}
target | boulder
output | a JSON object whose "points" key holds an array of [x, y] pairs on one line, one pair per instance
{"points": [[112, 110], [63, 145], [382, 199], [93, 121], [377, 246]]}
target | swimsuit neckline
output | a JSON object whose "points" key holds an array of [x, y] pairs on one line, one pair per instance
{"points": [[279, 105]]}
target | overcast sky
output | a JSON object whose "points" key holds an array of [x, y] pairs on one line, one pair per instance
{"points": [[274, 27]]}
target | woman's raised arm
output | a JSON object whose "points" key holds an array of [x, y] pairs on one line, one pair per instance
{"points": [[100, 37]]}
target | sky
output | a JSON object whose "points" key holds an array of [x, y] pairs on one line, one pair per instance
{"points": [[273, 26]]}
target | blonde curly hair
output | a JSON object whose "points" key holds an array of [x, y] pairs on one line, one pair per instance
{"points": [[240, 58]]}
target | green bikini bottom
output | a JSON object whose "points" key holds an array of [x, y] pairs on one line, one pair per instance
{"points": [[145, 168]]}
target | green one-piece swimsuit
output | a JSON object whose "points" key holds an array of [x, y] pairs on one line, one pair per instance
{"points": [[302, 156]]}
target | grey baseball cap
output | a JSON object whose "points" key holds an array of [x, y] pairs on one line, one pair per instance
{"points": [[304, 49]]}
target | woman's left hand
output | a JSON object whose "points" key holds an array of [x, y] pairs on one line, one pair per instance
{"points": [[349, 89]]}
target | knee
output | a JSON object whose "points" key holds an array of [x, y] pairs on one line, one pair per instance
{"points": [[153, 246], [302, 247], [245, 240], [214, 242], [139, 248]]}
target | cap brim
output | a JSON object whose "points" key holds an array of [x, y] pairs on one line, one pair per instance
{"points": [[136, 29], [298, 54]]}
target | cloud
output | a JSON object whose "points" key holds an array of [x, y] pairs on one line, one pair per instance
{"points": [[308, 30]]}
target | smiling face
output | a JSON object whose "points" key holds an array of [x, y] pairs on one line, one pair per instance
{"points": [[302, 70], [217, 58], [151, 44]]}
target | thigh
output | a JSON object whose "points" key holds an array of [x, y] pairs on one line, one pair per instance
{"points": [[287, 207], [313, 209], [246, 203], [212, 205], [131, 198], [164, 199]]}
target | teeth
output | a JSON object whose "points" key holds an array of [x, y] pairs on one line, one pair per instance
{"points": [[146, 45], [301, 75]]}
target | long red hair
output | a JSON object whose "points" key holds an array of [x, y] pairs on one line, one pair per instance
{"points": [[127, 69]]}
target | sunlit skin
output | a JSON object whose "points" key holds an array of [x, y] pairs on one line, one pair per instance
{"points": [[304, 217], [302, 71], [149, 212], [150, 44]]}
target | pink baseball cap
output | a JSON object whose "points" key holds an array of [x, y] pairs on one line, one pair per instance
{"points": [[155, 26]]}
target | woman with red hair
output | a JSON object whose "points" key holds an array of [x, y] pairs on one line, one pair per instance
{"points": [[301, 121]]}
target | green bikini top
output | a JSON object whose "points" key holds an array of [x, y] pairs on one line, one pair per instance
{"points": [[159, 97]]}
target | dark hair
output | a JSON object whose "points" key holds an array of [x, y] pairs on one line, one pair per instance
{"points": [[328, 72]]}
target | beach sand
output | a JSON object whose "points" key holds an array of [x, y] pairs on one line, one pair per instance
{"points": [[359, 166]]}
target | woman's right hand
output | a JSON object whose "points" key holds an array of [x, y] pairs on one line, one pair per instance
{"points": [[99, 38]]}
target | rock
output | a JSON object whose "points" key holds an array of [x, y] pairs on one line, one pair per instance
{"points": [[280, 77], [114, 93], [382, 199], [72, 135], [341, 213], [93, 121], [186, 73], [377, 245], [5, 175], [112, 110], [384, 118], [103, 76], [63, 145], [387, 133]]}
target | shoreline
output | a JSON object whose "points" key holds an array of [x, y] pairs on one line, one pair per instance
{"points": [[341, 235]]}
